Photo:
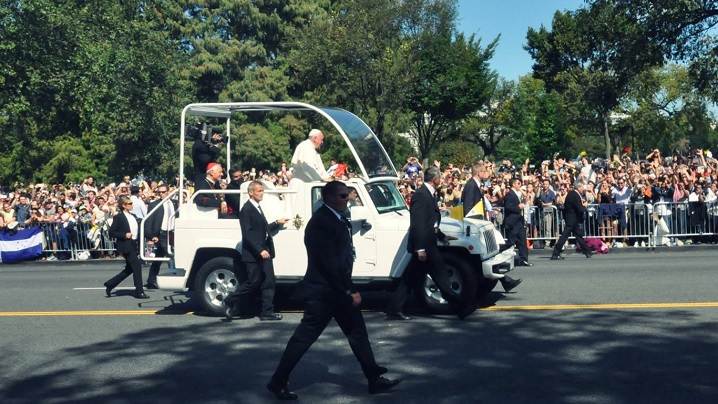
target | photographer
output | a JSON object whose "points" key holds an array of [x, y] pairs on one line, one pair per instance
{"points": [[205, 149], [412, 167], [507, 167]]}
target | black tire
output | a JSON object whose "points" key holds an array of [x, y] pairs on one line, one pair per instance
{"points": [[216, 279], [463, 283]]}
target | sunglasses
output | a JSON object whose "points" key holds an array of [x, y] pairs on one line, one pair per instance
{"points": [[343, 196]]}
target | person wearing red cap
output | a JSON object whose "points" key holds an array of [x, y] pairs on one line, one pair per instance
{"points": [[211, 181]]}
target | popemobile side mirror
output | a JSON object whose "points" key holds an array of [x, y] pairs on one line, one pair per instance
{"points": [[361, 214]]}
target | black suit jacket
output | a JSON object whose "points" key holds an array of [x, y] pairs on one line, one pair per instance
{"points": [[329, 254], [256, 233], [207, 199], [471, 195], [153, 225], [202, 154], [232, 200], [424, 214], [573, 208], [512, 212], [119, 228]]}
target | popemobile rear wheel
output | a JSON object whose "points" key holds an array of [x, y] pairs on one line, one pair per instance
{"points": [[216, 279]]}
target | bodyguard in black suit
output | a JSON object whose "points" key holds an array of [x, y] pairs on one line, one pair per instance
{"points": [[235, 182], [471, 195], [257, 255], [329, 293], [157, 228], [426, 258], [573, 210], [473, 192], [125, 228], [514, 221]]}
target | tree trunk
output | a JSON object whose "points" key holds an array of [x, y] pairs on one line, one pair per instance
{"points": [[606, 135]]}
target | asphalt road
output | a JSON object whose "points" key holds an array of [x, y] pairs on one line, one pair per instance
{"points": [[628, 327]]}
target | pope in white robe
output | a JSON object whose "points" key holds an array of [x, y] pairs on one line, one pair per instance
{"points": [[306, 163]]}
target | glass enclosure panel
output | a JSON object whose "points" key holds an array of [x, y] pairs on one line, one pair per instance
{"points": [[386, 197], [371, 154]]}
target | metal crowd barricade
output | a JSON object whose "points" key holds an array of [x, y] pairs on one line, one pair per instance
{"points": [[70, 241], [629, 224], [683, 221]]}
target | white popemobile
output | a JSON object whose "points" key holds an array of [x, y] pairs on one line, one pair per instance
{"points": [[206, 250]]}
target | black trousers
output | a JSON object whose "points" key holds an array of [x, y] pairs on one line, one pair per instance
{"points": [[133, 266], [159, 253], [260, 277], [413, 276], [317, 315], [516, 236], [574, 229]]}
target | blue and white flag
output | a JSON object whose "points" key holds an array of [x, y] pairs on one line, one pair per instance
{"points": [[20, 245]]}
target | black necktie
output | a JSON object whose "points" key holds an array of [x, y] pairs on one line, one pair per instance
{"points": [[347, 223], [351, 239], [261, 212]]}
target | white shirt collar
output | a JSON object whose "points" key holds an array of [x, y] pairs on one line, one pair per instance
{"points": [[431, 189]]}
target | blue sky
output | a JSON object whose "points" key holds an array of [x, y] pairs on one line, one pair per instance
{"points": [[511, 19]]}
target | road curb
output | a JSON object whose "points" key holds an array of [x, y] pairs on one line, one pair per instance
{"points": [[637, 250]]}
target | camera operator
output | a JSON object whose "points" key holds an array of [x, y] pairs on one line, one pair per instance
{"points": [[205, 150]]}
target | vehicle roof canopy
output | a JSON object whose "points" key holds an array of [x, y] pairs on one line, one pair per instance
{"points": [[370, 156]]}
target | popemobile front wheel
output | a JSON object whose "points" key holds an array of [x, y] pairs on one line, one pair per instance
{"points": [[215, 281], [462, 281]]}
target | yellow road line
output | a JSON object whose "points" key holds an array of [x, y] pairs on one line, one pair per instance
{"points": [[80, 313], [606, 306], [611, 306]]}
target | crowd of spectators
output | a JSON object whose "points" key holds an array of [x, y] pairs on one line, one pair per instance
{"points": [[65, 209], [686, 180]]}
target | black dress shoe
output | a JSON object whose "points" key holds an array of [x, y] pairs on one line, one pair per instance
{"points": [[270, 317], [152, 286], [382, 384], [282, 392], [556, 257], [590, 253], [397, 315], [141, 295], [511, 284], [524, 263], [228, 311], [108, 289]]}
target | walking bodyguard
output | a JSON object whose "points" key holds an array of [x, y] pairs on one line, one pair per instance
{"points": [[328, 292], [573, 209], [125, 228], [515, 223], [158, 229], [257, 255], [424, 232], [470, 197]]}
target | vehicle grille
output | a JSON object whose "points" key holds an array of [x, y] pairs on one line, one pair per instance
{"points": [[490, 240]]}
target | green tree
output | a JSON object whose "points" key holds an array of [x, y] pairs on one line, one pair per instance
{"points": [[682, 30], [591, 56], [355, 56], [452, 78], [89, 90]]}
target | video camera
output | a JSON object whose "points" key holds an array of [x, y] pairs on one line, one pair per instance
{"points": [[202, 131]]}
